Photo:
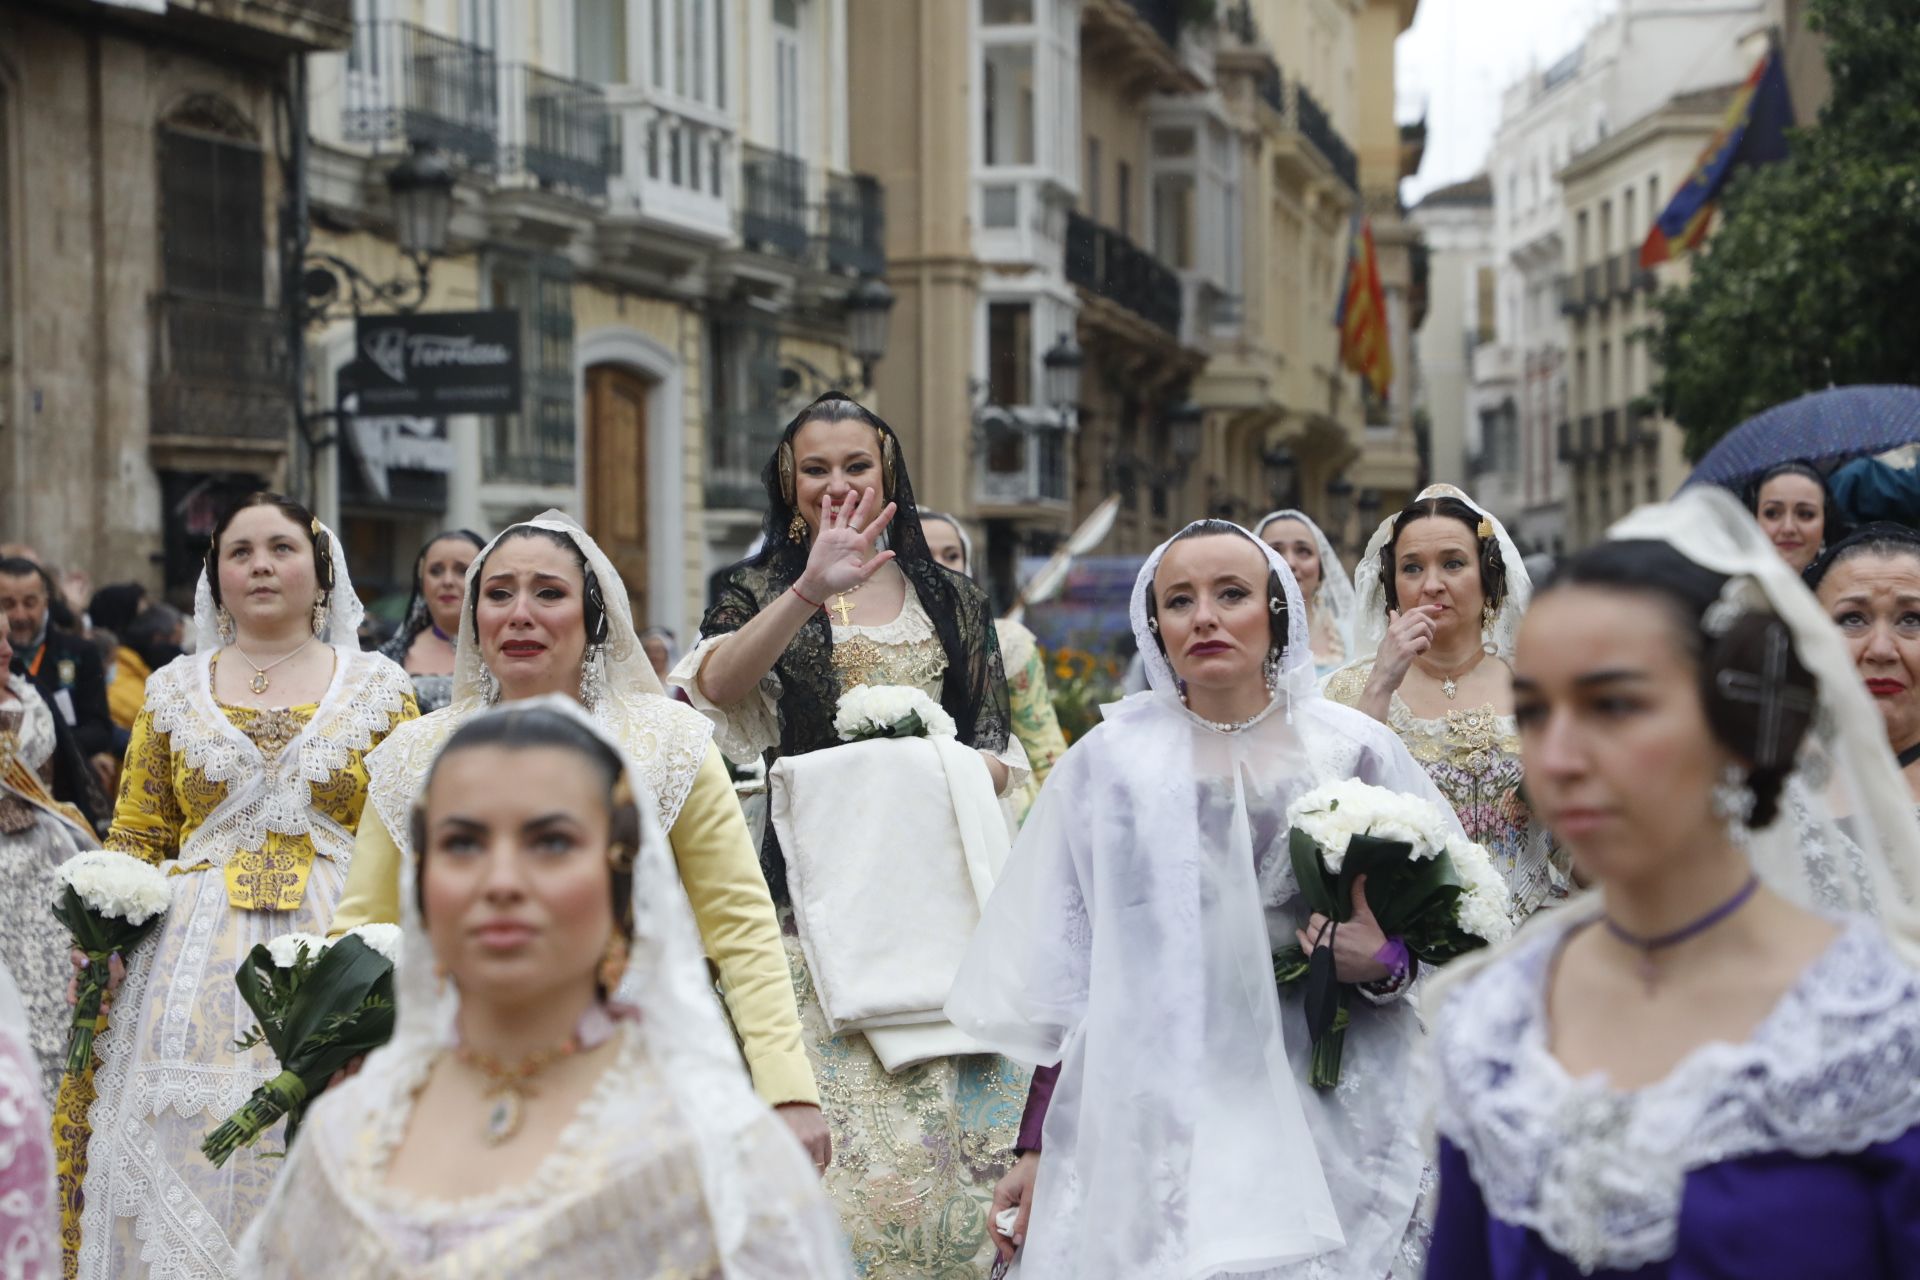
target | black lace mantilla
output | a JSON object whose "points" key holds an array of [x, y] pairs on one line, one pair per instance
{"points": [[974, 691]]}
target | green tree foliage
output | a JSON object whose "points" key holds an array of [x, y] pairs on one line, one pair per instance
{"points": [[1813, 277]]}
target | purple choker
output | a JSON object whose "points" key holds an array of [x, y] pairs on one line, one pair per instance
{"points": [[1649, 972]]}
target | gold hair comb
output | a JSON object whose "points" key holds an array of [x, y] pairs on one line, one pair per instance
{"points": [[1486, 528]]}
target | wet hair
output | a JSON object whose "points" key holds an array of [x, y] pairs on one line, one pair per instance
{"points": [[532, 729], [1277, 619], [1882, 538], [593, 607], [1740, 655], [322, 555], [1493, 566]]}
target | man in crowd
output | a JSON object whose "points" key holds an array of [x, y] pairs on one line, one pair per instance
{"points": [[64, 667]]}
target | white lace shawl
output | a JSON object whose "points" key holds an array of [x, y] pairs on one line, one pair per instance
{"points": [[1599, 1174], [36, 740]]}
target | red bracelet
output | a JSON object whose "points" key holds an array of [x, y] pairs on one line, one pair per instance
{"points": [[796, 590]]}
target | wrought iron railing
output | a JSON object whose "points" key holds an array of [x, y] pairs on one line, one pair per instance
{"points": [[773, 201], [219, 370], [856, 215], [1318, 129], [1102, 260], [1273, 87], [1163, 16], [408, 84], [1021, 464], [556, 131], [738, 446]]}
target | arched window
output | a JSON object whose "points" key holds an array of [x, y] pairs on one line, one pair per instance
{"points": [[213, 229]]}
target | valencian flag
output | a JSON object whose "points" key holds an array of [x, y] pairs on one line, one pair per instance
{"points": [[1362, 316], [1754, 131]]}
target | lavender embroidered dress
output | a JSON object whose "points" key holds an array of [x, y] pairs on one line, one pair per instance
{"points": [[1794, 1154]]}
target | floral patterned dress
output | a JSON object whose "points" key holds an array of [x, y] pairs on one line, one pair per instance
{"points": [[253, 812], [1031, 701], [916, 1153], [1473, 756]]}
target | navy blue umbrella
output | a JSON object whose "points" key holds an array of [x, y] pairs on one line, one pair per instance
{"points": [[1823, 426]]}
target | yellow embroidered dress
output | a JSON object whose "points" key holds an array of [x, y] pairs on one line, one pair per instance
{"points": [[254, 810], [915, 1153]]}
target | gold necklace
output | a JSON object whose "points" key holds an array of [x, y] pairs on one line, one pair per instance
{"points": [[260, 682], [841, 606], [507, 1085], [1449, 684]]}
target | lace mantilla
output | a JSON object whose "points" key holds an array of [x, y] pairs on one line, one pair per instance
{"points": [[667, 740], [35, 739], [1599, 1173], [272, 793]]}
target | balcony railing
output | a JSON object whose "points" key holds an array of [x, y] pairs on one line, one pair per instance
{"points": [[1020, 464], [1318, 128], [1568, 452], [1566, 291], [220, 370], [1610, 438], [406, 84], [1587, 440], [1163, 16], [738, 446], [1617, 283], [1105, 262], [671, 164], [773, 204], [554, 131], [856, 215]]}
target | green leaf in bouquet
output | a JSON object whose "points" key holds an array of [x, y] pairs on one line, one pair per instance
{"points": [[1289, 966], [1400, 887], [908, 726], [1311, 873]]}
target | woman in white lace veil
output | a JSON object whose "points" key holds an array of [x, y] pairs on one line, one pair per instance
{"points": [[1331, 603], [1124, 944], [546, 585], [245, 775], [667, 1165], [29, 1213], [1442, 590], [1666, 1074]]}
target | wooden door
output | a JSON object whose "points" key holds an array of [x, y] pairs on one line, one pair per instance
{"points": [[617, 475]]}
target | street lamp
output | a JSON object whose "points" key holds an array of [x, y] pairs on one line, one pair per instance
{"points": [[867, 311], [421, 187], [1339, 501], [1280, 469], [1183, 433], [1063, 361]]}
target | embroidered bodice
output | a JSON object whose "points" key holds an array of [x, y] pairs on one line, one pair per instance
{"points": [[258, 792], [1599, 1173], [1473, 756], [902, 652]]}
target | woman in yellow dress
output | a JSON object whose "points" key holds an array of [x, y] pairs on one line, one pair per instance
{"points": [[246, 776], [1028, 694], [547, 613]]}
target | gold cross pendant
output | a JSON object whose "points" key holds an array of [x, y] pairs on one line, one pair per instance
{"points": [[841, 607]]}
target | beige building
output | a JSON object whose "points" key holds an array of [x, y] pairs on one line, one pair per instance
{"points": [[661, 190], [144, 350], [1619, 450]]}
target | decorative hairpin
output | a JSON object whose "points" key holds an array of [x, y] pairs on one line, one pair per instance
{"points": [[1486, 528], [1736, 597]]}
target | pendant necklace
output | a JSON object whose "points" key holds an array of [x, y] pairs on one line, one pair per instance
{"points": [[1450, 684], [841, 606], [1650, 972], [508, 1086], [260, 682]]}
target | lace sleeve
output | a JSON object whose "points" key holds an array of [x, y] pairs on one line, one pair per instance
{"points": [[744, 730], [1348, 684]]}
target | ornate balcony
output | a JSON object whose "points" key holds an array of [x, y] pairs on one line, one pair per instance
{"points": [[1106, 263], [671, 164], [856, 230], [556, 133], [408, 85], [220, 372], [773, 205]]}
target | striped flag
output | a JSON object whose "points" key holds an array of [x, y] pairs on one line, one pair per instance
{"points": [[1753, 131], [1362, 316]]}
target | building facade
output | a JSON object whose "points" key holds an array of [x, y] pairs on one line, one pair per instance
{"points": [[1456, 223]]}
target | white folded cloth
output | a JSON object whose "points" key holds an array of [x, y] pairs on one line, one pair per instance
{"points": [[892, 847]]}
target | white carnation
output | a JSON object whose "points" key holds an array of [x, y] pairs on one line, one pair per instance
{"points": [[285, 949], [384, 938], [868, 710], [1335, 812], [1484, 909], [117, 886]]}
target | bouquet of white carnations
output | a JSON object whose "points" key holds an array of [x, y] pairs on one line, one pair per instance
{"points": [[889, 711], [1432, 888], [320, 1006], [110, 903]]}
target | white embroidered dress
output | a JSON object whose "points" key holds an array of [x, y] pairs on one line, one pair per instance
{"points": [[284, 793]]}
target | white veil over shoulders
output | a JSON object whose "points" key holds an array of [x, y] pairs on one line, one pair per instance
{"points": [[770, 1218], [1128, 940], [345, 613], [1371, 627], [1336, 594]]}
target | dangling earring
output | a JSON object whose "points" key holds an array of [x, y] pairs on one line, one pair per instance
{"points": [[489, 685], [1272, 666], [320, 617], [1733, 802], [593, 677], [223, 622], [613, 962], [1487, 646], [797, 528]]}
